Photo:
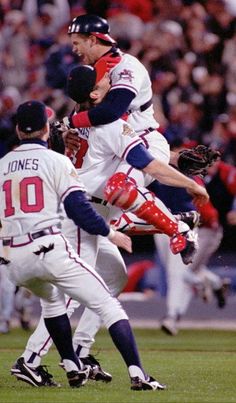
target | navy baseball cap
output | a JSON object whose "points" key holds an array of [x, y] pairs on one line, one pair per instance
{"points": [[82, 80], [32, 116]]}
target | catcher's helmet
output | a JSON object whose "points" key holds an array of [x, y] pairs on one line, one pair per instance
{"points": [[91, 24]]}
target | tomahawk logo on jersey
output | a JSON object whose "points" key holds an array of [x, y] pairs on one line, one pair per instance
{"points": [[126, 75]]}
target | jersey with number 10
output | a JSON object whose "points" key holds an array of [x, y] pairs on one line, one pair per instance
{"points": [[33, 183]]}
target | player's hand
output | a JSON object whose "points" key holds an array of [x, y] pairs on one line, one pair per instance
{"points": [[199, 194], [121, 240], [71, 140], [231, 217]]}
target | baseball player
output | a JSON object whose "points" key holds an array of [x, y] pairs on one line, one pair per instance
{"points": [[130, 94], [101, 158], [182, 283], [7, 294], [34, 181]]}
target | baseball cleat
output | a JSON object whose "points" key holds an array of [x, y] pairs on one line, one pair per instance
{"points": [[96, 372], [185, 243], [77, 379], [168, 326], [33, 376], [221, 292], [191, 218], [148, 384]]}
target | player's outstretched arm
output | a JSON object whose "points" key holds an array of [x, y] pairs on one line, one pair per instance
{"points": [[167, 175]]}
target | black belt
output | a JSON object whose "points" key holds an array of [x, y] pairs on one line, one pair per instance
{"points": [[142, 108], [146, 105], [98, 201], [27, 238], [149, 130]]}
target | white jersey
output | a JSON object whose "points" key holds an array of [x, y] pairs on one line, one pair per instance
{"points": [[33, 180], [130, 74], [103, 155]]}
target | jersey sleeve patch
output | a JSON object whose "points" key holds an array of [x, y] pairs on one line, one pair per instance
{"points": [[74, 174], [128, 131], [126, 75]]}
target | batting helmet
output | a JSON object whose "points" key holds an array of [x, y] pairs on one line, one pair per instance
{"points": [[91, 24]]}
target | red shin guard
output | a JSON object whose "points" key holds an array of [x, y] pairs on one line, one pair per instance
{"points": [[123, 192], [149, 212]]}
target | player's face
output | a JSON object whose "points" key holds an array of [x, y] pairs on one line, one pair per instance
{"points": [[84, 47], [101, 89]]}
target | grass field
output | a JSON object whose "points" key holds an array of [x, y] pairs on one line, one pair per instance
{"points": [[198, 367]]}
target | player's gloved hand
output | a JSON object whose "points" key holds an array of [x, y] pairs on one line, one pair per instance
{"points": [[121, 240], [196, 161]]}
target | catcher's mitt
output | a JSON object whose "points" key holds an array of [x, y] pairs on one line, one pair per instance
{"points": [[56, 142], [195, 161]]}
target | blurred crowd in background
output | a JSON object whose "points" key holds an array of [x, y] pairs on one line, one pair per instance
{"points": [[187, 46]]}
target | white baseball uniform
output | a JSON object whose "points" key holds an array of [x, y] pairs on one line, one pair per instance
{"points": [[33, 183], [131, 74], [100, 157], [181, 282], [98, 163], [7, 297]]}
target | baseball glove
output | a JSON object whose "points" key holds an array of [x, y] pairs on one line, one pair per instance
{"points": [[56, 142], [196, 161]]}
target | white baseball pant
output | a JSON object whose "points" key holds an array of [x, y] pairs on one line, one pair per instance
{"points": [[60, 271]]}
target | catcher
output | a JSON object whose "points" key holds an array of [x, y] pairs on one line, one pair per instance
{"points": [[129, 96], [190, 161]]}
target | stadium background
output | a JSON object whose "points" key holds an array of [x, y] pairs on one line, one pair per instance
{"points": [[188, 47]]}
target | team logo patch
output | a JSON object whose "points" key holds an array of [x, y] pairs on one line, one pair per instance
{"points": [[74, 174], [126, 75], [128, 131]]}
